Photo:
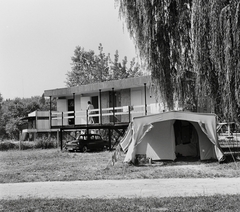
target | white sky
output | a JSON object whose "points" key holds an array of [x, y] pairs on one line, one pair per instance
{"points": [[38, 38]]}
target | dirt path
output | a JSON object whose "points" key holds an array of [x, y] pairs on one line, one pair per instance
{"points": [[122, 188]]}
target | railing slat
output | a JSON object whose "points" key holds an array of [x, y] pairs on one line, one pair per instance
{"points": [[81, 116]]}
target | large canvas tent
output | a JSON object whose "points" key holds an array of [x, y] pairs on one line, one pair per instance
{"points": [[167, 135]]}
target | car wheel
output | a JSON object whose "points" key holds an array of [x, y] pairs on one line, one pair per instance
{"points": [[84, 149]]}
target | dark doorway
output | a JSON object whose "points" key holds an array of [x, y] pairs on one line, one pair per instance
{"points": [[71, 108], [94, 101], [115, 101], [186, 139]]}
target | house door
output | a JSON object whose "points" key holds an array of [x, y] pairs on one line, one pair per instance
{"points": [[71, 108], [94, 101], [115, 101]]}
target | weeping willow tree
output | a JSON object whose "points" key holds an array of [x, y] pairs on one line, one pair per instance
{"points": [[191, 48], [216, 46], [161, 30]]}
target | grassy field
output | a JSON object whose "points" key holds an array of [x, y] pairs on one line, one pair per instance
{"points": [[222, 203], [54, 165]]}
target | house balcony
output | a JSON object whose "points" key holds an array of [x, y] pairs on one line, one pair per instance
{"points": [[102, 116]]}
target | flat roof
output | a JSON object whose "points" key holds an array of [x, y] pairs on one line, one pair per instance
{"points": [[95, 87]]}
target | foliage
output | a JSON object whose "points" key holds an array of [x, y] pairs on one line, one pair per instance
{"points": [[191, 47], [2, 130], [12, 112], [216, 53], [161, 32], [7, 145], [40, 143], [87, 67]]}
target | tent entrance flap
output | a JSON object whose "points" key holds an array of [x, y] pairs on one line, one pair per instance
{"points": [[186, 139]]}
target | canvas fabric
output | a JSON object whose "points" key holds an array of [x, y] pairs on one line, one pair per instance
{"points": [[154, 135]]}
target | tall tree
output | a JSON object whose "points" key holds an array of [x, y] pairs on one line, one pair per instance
{"points": [[118, 70], [87, 67], [161, 30], [83, 64], [102, 65], [216, 53], [191, 48]]}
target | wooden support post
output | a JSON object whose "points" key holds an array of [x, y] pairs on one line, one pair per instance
{"points": [[87, 120], [129, 113], [58, 138], [110, 138], [50, 115], [100, 101], [61, 141], [113, 99], [74, 109]]}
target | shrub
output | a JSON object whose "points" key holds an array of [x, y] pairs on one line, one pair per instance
{"points": [[45, 143], [6, 145], [42, 143]]}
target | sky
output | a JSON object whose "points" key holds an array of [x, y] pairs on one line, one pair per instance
{"points": [[38, 39]]}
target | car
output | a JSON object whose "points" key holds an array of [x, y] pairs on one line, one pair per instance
{"points": [[228, 131], [85, 142], [229, 137]]}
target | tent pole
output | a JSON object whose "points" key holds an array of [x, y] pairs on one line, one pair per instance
{"points": [[145, 96]]}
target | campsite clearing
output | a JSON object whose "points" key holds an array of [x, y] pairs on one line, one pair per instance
{"points": [[54, 165]]}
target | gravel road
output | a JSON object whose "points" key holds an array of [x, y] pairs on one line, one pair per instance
{"points": [[121, 188]]}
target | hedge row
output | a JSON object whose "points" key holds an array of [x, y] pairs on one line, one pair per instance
{"points": [[38, 144]]}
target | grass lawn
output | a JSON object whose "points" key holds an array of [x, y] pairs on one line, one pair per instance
{"points": [[54, 165], [222, 203]]}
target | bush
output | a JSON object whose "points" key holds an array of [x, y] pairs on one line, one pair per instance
{"points": [[6, 145], [42, 143], [45, 143]]}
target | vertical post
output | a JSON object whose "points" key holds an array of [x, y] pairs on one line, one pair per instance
{"points": [[62, 118], [87, 121], [36, 118], [113, 99], [61, 139], [57, 138], [50, 115], [74, 109], [129, 113], [145, 97], [100, 101], [87, 117], [110, 138]]}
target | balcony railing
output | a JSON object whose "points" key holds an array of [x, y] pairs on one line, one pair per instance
{"points": [[103, 116]]}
